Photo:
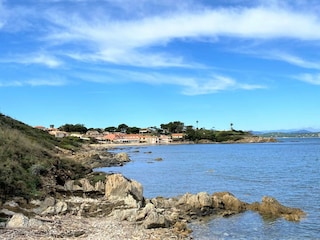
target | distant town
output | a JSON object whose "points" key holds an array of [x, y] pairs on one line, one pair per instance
{"points": [[167, 133]]}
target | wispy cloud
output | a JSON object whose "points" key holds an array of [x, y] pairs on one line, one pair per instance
{"points": [[143, 39], [313, 79], [34, 58], [111, 40], [188, 85], [294, 60], [214, 84], [34, 82]]}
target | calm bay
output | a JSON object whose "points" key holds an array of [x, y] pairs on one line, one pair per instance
{"points": [[288, 170]]}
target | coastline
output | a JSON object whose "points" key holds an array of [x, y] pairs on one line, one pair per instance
{"points": [[106, 227]]}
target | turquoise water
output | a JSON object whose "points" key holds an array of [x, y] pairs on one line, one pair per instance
{"points": [[288, 170]]}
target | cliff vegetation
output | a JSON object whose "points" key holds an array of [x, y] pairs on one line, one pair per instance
{"points": [[29, 162]]}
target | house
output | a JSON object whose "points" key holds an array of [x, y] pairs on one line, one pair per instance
{"points": [[145, 131], [165, 139], [149, 139], [41, 128], [58, 134], [177, 136], [114, 137], [131, 138]]}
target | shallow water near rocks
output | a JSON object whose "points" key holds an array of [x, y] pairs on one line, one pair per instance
{"points": [[288, 170]]}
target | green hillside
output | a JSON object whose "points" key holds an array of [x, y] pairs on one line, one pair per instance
{"points": [[29, 165]]}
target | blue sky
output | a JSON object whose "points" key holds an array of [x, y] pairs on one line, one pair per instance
{"points": [[101, 63]]}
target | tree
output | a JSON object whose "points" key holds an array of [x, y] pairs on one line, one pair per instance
{"points": [[133, 130], [73, 128], [173, 127], [110, 129], [122, 128]]}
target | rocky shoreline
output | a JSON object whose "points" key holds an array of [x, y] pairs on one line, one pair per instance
{"points": [[113, 207]]}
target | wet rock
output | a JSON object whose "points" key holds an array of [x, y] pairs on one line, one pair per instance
{"points": [[119, 188]]}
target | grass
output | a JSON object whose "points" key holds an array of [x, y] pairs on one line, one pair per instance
{"points": [[27, 160]]}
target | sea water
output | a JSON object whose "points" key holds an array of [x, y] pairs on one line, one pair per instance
{"points": [[288, 170]]}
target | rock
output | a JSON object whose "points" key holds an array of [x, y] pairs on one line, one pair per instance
{"points": [[145, 211], [99, 186], [155, 220], [161, 202], [59, 208], [122, 157], [125, 214], [271, 207], [199, 200], [86, 186], [227, 201], [196, 205], [119, 188], [18, 221], [48, 201], [182, 228], [34, 223]]}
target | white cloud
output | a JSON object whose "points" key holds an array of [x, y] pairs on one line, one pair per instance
{"points": [[313, 79], [128, 41], [45, 82], [43, 59], [34, 58], [50, 81], [295, 60], [189, 85], [215, 84]]}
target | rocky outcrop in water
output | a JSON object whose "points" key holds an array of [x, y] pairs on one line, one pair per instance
{"points": [[123, 201], [270, 207], [169, 212]]}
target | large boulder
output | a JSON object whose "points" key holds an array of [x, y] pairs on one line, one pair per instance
{"points": [[226, 201], [119, 188], [122, 157], [196, 205]]}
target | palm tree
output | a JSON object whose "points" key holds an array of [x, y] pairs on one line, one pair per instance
{"points": [[231, 126]]}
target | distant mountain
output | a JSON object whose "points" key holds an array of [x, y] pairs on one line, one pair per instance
{"points": [[310, 132]]}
